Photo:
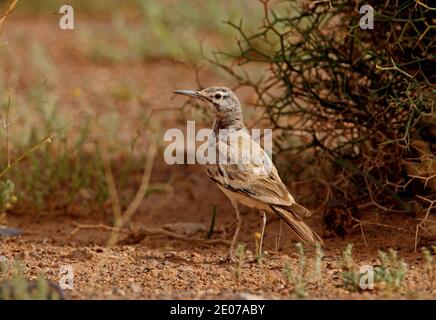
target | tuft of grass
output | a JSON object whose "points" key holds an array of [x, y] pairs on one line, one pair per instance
{"points": [[15, 286], [317, 263], [350, 276], [240, 261], [300, 278], [7, 198], [61, 174], [390, 275], [7, 184], [66, 174], [430, 266]]}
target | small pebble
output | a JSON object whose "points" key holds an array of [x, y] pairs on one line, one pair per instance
{"points": [[9, 232]]}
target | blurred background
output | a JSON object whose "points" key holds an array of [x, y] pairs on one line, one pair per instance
{"points": [[98, 83]]}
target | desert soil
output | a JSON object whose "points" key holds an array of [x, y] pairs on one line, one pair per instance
{"points": [[158, 267]]}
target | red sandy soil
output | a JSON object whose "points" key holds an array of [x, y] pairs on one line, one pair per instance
{"points": [[158, 267]]}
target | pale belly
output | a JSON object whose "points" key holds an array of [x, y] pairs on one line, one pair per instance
{"points": [[245, 201]]}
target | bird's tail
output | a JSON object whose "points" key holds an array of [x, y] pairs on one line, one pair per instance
{"points": [[300, 210], [293, 220]]}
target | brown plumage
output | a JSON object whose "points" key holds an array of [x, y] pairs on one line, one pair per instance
{"points": [[254, 183], [294, 221]]}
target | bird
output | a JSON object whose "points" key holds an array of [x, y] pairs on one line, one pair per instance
{"points": [[254, 183]]}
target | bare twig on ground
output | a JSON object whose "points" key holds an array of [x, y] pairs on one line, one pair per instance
{"points": [[420, 225], [6, 15], [144, 231], [361, 223], [79, 227], [116, 207], [127, 215]]}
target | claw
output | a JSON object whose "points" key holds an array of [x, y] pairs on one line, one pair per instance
{"points": [[227, 258]]}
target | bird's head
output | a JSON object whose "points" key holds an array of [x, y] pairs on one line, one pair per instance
{"points": [[223, 101]]}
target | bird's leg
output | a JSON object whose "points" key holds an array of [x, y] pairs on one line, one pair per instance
{"points": [[263, 214], [231, 254]]}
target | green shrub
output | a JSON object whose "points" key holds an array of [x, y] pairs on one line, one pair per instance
{"points": [[302, 276], [350, 276], [391, 273], [430, 266], [7, 198]]}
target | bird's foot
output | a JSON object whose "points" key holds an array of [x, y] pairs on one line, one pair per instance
{"points": [[257, 259], [229, 258]]}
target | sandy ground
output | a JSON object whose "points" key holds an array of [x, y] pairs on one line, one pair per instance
{"points": [[158, 267]]}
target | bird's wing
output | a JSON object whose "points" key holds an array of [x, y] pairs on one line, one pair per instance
{"points": [[256, 177]]}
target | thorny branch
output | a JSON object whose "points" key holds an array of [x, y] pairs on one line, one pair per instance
{"points": [[357, 106]]}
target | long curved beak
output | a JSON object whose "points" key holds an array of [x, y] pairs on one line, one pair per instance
{"points": [[190, 93]]}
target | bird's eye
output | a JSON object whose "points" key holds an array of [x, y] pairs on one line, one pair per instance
{"points": [[218, 96]]}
